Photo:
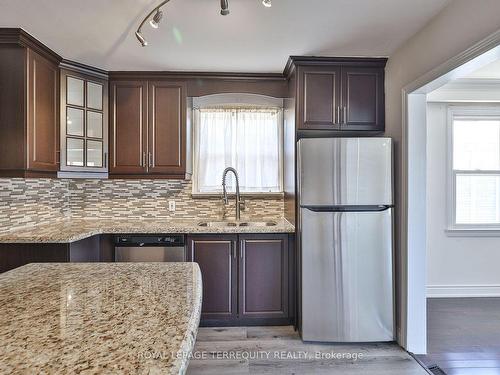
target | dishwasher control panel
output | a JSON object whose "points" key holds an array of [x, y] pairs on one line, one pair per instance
{"points": [[149, 240]]}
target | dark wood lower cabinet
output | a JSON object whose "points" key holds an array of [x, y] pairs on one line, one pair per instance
{"points": [[13, 255], [246, 278], [92, 249], [216, 257], [263, 276]]}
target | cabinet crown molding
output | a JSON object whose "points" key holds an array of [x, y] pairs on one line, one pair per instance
{"points": [[17, 36], [84, 69], [229, 76], [293, 61]]}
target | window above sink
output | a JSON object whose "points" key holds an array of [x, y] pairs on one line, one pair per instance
{"points": [[242, 131]]}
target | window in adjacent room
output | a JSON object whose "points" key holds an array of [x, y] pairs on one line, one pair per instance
{"points": [[475, 168], [246, 137]]}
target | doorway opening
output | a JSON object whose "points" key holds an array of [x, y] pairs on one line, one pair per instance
{"points": [[463, 222], [431, 178]]}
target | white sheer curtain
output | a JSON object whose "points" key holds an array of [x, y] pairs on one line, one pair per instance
{"points": [[247, 139]]}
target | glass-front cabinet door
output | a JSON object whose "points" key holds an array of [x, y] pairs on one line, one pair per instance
{"points": [[84, 126]]}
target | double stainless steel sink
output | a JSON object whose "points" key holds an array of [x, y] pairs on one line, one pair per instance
{"points": [[225, 224]]}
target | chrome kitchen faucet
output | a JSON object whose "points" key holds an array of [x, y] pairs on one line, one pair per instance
{"points": [[240, 204]]}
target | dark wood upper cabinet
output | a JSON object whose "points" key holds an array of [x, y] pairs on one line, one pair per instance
{"points": [[29, 107], [167, 130], [363, 98], [148, 119], [216, 257], [148, 129], [43, 89], [128, 127], [320, 90], [263, 276], [340, 94], [84, 121]]}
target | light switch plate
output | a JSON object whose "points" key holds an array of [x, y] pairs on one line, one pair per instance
{"points": [[171, 206]]}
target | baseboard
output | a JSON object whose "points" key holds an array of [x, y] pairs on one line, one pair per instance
{"points": [[449, 291]]}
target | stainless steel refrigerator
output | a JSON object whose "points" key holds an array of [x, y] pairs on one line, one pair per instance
{"points": [[345, 227]]}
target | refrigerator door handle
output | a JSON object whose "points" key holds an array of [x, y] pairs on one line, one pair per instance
{"points": [[372, 208]]}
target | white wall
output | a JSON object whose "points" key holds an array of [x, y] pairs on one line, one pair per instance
{"points": [[456, 266], [459, 26], [468, 91]]}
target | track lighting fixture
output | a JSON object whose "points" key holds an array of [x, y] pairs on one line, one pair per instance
{"points": [[155, 22], [156, 15], [141, 39], [224, 7]]}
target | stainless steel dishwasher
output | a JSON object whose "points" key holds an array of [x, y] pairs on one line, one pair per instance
{"points": [[150, 248]]}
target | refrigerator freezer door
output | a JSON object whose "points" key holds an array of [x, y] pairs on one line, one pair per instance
{"points": [[345, 171], [347, 276]]}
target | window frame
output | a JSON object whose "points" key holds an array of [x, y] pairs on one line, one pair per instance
{"points": [[196, 122], [474, 112]]}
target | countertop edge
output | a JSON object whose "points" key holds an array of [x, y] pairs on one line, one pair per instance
{"points": [[189, 340], [10, 237]]}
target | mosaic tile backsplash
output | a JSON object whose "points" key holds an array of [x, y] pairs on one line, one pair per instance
{"points": [[25, 202], [33, 201]]}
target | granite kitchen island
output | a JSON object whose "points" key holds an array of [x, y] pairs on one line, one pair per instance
{"points": [[99, 318]]}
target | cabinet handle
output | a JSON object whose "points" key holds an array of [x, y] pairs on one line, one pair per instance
{"points": [[338, 114], [150, 163], [233, 251], [105, 160], [143, 163], [345, 115], [58, 157]]}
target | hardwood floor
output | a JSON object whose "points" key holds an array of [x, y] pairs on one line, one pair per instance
{"points": [[463, 335], [279, 350]]}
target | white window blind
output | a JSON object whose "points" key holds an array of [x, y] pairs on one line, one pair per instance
{"points": [[247, 139], [476, 169]]}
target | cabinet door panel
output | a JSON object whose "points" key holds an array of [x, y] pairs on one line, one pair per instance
{"points": [[263, 270], [43, 87], [216, 258], [320, 92], [95, 94], [12, 109], [13, 255], [128, 127], [363, 99], [167, 129], [84, 118]]}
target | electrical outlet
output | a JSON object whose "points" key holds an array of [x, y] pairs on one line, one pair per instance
{"points": [[171, 206]]}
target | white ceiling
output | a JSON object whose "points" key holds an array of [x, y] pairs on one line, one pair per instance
{"points": [[489, 71], [194, 37]]}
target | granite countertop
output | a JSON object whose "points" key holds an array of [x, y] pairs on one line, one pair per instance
{"points": [[71, 230], [120, 318]]}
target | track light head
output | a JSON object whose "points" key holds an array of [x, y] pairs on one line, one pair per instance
{"points": [[157, 16], [141, 39], [155, 22], [224, 7]]}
